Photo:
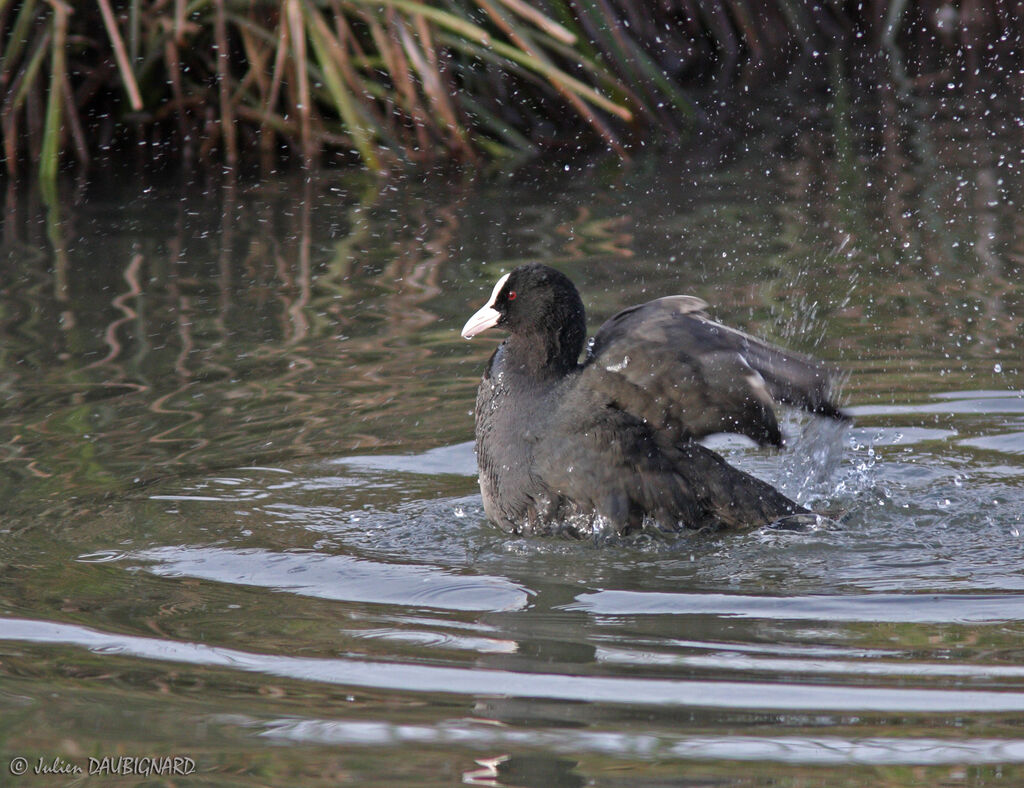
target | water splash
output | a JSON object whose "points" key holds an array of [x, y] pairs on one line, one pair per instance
{"points": [[808, 469]]}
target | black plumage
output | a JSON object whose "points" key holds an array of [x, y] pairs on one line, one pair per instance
{"points": [[560, 442]]}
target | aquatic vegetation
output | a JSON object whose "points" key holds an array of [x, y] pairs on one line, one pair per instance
{"points": [[393, 82]]}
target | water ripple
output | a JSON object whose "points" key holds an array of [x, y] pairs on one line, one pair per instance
{"points": [[839, 668], [481, 682], [338, 577], [1002, 402], [656, 744], [918, 608]]}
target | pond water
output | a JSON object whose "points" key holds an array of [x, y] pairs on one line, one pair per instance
{"points": [[241, 522]]}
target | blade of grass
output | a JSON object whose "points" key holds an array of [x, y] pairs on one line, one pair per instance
{"points": [[17, 39], [134, 22], [522, 40], [539, 20], [256, 60], [401, 77], [329, 54], [49, 156], [367, 94], [121, 55], [632, 57], [172, 61], [19, 90], [289, 129], [227, 118], [254, 38], [74, 122], [487, 55], [425, 62], [361, 75], [303, 107], [516, 143], [276, 78], [477, 34], [179, 21]]}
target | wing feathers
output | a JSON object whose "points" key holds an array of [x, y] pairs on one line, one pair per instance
{"points": [[667, 362]]}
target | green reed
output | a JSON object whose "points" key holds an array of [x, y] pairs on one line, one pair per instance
{"points": [[397, 82]]}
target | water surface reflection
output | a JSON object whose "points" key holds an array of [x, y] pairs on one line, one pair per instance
{"points": [[240, 498]]}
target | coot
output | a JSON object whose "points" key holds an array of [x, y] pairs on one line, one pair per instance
{"points": [[564, 445]]}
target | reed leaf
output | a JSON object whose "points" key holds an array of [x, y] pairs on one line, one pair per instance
{"points": [[517, 144], [17, 39], [297, 40], [424, 59], [227, 115], [475, 33], [331, 55], [20, 87], [631, 59], [124, 64], [544, 23], [50, 155]]}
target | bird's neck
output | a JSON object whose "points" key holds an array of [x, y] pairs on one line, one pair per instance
{"points": [[544, 355]]}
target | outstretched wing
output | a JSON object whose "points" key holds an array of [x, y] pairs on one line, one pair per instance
{"points": [[667, 362]]}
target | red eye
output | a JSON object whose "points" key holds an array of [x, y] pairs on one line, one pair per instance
{"points": [[512, 295]]}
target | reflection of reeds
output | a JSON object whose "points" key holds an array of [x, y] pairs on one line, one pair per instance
{"points": [[315, 317], [387, 81]]}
